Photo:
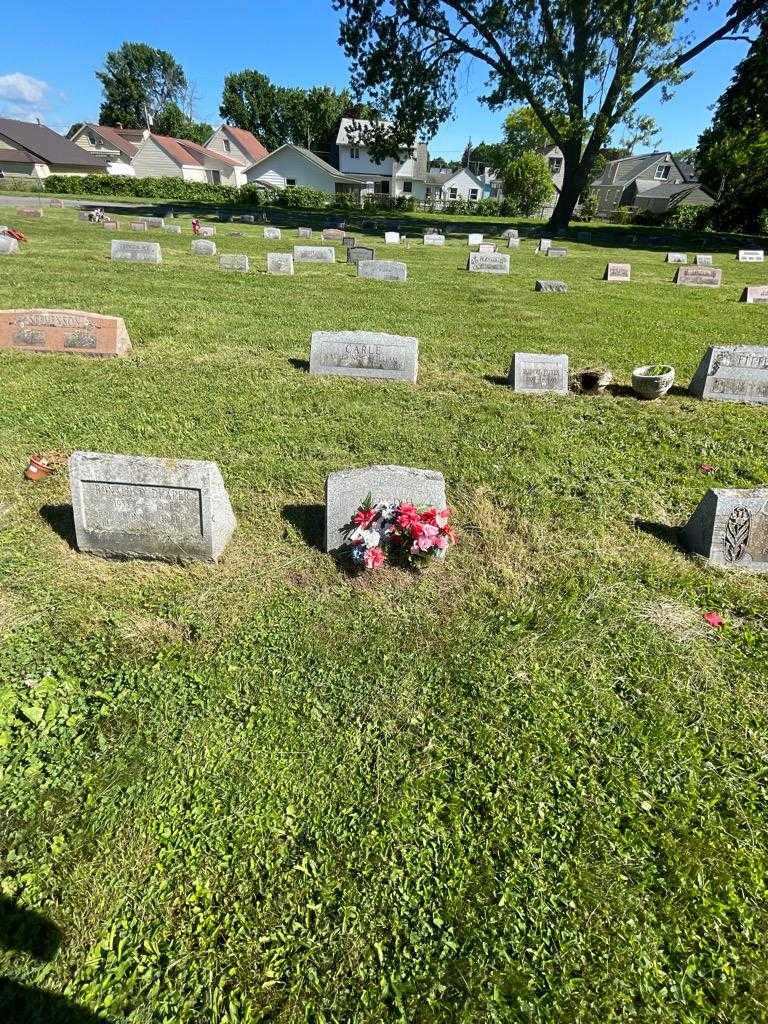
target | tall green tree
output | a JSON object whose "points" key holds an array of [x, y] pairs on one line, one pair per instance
{"points": [[527, 183], [732, 155], [589, 60], [138, 81], [174, 122]]}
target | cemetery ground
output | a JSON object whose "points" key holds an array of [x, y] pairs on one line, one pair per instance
{"points": [[528, 785]]}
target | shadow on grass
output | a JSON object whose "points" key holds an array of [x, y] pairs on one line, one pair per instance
{"points": [[309, 520], [62, 521], [627, 391], [671, 535], [26, 931], [300, 364], [491, 378]]}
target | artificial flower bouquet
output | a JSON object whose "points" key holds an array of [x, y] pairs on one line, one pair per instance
{"points": [[397, 532]]}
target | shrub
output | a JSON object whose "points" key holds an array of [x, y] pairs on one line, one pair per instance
{"points": [[762, 222], [142, 188], [589, 203], [528, 183], [488, 207], [11, 184], [692, 218]]}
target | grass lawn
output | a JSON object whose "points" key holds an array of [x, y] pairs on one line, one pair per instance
{"points": [[526, 786]]}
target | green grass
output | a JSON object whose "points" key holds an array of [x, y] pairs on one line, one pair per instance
{"points": [[527, 786]]}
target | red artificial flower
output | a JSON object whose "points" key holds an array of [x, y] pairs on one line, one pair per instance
{"points": [[373, 558], [450, 533], [706, 469], [437, 517], [364, 517], [713, 619], [407, 515]]}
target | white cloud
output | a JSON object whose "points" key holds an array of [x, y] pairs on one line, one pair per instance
{"points": [[23, 90]]}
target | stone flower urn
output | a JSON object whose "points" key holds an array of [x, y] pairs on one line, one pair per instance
{"points": [[653, 381]]}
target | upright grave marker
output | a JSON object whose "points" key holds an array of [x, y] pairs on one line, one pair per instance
{"points": [[733, 373], [8, 246], [346, 490], [304, 232], [314, 254], [434, 239], [486, 247], [488, 263], [392, 238], [206, 230], [360, 252], [755, 293], [532, 372], [202, 247], [699, 277], [618, 272], [513, 242], [510, 233], [63, 330], [154, 222], [233, 262], [333, 235], [544, 244], [138, 225], [703, 259], [280, 263], [751, 255], [474, 238], [382, 270], [348, 242], [128, 506], [110, 225], [677, 257], [273, 234], [173, 229], [556, 251], [136, 252], [730, 529], [364, 354]]}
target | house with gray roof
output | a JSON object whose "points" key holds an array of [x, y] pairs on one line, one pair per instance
{"points": [[654, 181], [34, 151], [293, 166]]}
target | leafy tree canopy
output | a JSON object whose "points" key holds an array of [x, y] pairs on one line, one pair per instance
{"points": [[138, 81], [527, 184], [589, 60], [173, 121]]}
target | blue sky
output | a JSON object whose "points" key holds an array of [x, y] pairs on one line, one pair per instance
{"points": [[51, 50]]}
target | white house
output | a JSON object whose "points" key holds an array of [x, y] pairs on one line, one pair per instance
{"points": [[405, 176], [291, 166], [446, 187], [236, 143], [160, 156]]}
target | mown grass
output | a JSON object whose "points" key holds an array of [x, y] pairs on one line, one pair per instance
{"points": [[528, 785]]}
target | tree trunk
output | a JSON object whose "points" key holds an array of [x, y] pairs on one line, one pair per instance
{"points": [[576, 175]]}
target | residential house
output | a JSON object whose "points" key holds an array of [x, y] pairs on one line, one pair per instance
{"points": [[160, 156], [654, 181], [291, 166], [115, 147], [444, 186], [35, 151], [404, 176], [238, 144]]}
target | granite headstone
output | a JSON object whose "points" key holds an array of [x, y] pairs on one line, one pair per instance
{"points": [[730, 529], [550, 286], [532, 372], [202, 247], [488, 263], [751, 255], [618, 272], [364, 354], [382, 270], [136, 252], [273, 234], [699, 277], [755, 293], [732, 373], [234, 262], [314, 254], [63, 330], [360, 252], [280, 263]]}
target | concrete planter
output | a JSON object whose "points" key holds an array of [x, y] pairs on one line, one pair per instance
{"points": [[651, 385]]}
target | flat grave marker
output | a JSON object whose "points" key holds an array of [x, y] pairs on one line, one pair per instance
{"points": [[280, 263], [382, 270], [128, 506], [730, 529], [314, 254], [699, 277], [732, 373], [550, 286], [234, 262], [346, 490], [364, 354], [63, 330], [136, 252], [533, 372], [31, 213]]}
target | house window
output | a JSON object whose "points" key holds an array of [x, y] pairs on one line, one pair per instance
{"points": [[473, 193], [290, 182], [408, 187], [662, 172], [555, 163], [453, 193], [214, 177], [354, 152], [227, 147], [381, 188]]}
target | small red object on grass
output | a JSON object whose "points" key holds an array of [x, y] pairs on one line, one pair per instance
{"points": [[706, 469], [714, 619]]}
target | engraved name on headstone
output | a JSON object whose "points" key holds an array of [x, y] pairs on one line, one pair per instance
{"points": [[382, 270], [677, 257], [314, 254], [556, 251], [755, 293], [699, 277], [234, 262], [618, 272], [703, 259], [273, 234], [129, 506], [550, 286], [63, 330], [136, 252], [534, 372], [202, 247], [360, 252], [488, 263], [733, 373], [280, 263], [730, 529], [751, 255], [346, 490], [434, 239], [364, 354]]}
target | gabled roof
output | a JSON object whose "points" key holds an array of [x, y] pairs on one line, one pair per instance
{"points": [[627, 168], [351, 126], [247, 141], [202, 153], [46, 146], [16, 156], [463, 170], [111, 135], [674, 190], [190, 154], [312, 158]]}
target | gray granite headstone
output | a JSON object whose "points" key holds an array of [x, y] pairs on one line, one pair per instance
{"points": [[280, 263], [532, 372], [488, 263], [173, 229], [510, 233], [314, 254], [304, 232], [235, 262], [553, 251], [392, 238], [360, 252], [8, 245], [474, 238], [550, 286], [733, 373], [513, 243], [136, 252], [138, 225], [486, 247], [202, 247], [755, 293], [348, 242], [128, 506], [154, 222], [434, 239], [346, 490], [110, 225], [618, 272], [272, 234], [699, 277], [677, 257], [730, 529], [703, 259], [751, 255], [364, 354], [382, 270], [206, 231]]}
